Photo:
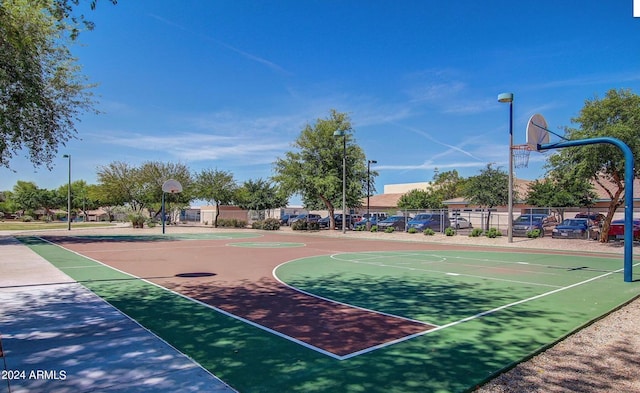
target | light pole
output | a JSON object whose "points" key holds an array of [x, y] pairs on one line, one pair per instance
{"points": [[68, 156], [369, 162], [508, 97], [344, 177]]}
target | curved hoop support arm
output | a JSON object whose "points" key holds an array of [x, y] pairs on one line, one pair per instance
{"points": [[628, 191]]}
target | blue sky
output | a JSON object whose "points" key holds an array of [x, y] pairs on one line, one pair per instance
{"points": [[230, 84]]}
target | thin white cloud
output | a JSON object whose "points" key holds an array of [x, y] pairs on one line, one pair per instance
{"points": [[242, 53], [589, 80], [431, 165], [451, 148]]}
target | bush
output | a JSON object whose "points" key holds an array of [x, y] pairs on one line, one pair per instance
{"points": [[534, 234], [412, 230], [493, 233], [257, 224], [374, 228], [361, 227], [429, 232], [151, 223], [26, 218], [450, 231], [301, 225], [271, 224], [231, 223], [137, 220], [389, 230], [476, 232]]}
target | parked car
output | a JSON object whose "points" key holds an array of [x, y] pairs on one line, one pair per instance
{"points": [[324, 222], [528, 222], [396, 222], [576, 228], [284, 219], [616, 230], [597, 218], [375, 217], [350, 220], [436, 221], [291, 218], [460, 223], [305, 217]]}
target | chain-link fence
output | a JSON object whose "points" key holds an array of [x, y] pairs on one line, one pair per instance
{"points": [[466, 219]]}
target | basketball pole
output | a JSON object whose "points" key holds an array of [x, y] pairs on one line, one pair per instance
{"points": [[163, 212], [508, 97]]}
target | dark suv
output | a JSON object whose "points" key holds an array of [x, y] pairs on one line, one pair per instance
{"points": [[528, 222], [436, 221]]}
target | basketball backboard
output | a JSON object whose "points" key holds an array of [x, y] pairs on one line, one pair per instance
{"points": [[537, 133], [172, 186]]}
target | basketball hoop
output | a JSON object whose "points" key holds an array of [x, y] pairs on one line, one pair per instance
{"points": [[521, 155], [172, 186]]}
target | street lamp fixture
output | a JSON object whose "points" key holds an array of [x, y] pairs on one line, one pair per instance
{"points": [[369, 162], [68, 156], [341, 133], [508, 97]]}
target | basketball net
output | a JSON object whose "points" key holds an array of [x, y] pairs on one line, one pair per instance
{"points": [[521, 155]]}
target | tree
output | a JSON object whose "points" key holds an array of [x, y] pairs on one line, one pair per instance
{"points": [[138, 188], [119, 184], [559, 194], [419, 199], [259, 195], [488, 189], [445, 185], [42, 92], [7, 205], [217, 188], [314, 169], [616, 115], [80, 197], [152, 175], [26, 196]]}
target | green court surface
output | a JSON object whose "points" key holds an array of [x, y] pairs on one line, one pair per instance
{"points": [[491, 309]]}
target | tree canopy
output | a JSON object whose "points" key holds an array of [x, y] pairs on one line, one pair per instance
{"points": [[42, 91], [488, 189], [217, 188], [314, 168], [560, 193], [445, 185], [617, 115], [419, 199], [260, 195], [141, 187]]}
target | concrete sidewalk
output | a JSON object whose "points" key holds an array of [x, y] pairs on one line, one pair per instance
{"points": [[60, 337]]}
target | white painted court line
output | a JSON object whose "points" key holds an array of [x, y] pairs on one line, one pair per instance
{"points": [[444, 272], [494, 310], [78, 267]]}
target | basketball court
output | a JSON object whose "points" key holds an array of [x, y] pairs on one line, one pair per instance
{"points": [[275, 312]]}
